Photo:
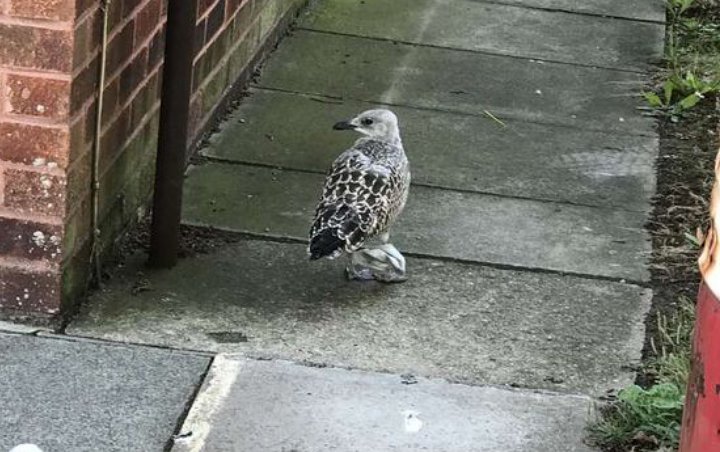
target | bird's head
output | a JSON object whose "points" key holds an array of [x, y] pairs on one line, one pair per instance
{"points": [[380, 124]]}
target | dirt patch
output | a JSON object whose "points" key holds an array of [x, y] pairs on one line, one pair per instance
{"points": [[684, 180]]}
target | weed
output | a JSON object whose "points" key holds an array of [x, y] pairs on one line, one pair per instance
{"points": [[648, 419], [692, 56]]}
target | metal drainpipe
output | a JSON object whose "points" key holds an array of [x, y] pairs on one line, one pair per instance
{"points": [[173, 133]]}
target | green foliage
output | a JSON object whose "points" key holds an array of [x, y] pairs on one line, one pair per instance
{"points": [[692, 239], [680, 5], [649, 419], [673, 343], [653, 414], [692, 57]]}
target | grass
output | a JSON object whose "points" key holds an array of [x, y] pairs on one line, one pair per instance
{"points": [[644, 419], [693, 56]]}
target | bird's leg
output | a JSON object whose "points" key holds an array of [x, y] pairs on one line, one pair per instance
{"points": [[394, 269], [358, 268], [383, 263], [385, 237]]}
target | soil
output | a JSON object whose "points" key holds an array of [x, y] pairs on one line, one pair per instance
{"points": [[680, 209]]}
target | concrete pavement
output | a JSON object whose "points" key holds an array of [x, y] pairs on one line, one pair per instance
{"points": [[533, 173], [83, 396]]}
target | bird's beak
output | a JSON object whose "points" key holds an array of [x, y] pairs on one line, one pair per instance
{"points": [[344, 125]]}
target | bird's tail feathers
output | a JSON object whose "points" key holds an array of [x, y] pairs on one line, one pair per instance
{"points": [[325, 244]]}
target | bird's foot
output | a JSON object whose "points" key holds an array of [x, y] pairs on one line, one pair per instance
{"points": [[384, 263]]}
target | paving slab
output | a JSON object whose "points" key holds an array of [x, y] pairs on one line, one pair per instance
{"points": [[455, 321], [78, 396], [521, 159], [479, 84], [497, 28], [651, 10], [436, 222], [280, 406]]}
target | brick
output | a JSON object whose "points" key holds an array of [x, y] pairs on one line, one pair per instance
{"points": [[145, 101], [231, 7], [242, 21], [34, 192], [29, 144], [30, 240], [115, 14], [120, 48], [156, 50], [125, 181], [111, 100], [85, 86], [129, 6], [82, 132], [79, 180], [35, 48], [199, 36], [37, 96], [42, 9], [203, 6], [29, 291], [88, 38], [215, 20], [113, 138], [82, 6], [195, 114], [77, 226], [133, 74], [147, 20]]}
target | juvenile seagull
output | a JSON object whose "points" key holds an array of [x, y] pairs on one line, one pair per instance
{"points": [[365, 191]]}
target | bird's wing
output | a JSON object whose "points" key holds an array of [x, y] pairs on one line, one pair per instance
{"points": [[354, 204]]}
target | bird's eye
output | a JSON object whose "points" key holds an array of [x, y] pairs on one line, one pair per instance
{"points": [[366, 121]]}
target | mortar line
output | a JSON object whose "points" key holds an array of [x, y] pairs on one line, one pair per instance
{"points": [[576, 13], [450, 111], [475, 51], [288, 239], [235, 162]]}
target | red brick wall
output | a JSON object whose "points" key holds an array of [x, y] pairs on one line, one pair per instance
{"points": [[131, 101], [36, 44], [228, 35], [50, 55]]}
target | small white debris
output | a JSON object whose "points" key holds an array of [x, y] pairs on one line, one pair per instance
{"points": [[26, 448], [38, 238], [587, 229], [40, 108], [622, 119], [55, 240], [413, 424], [538, 92], [45, 182], [52, 165], [38, 161]]}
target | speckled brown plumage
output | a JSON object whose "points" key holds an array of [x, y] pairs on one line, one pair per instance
{"points": [[365, 191]]}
